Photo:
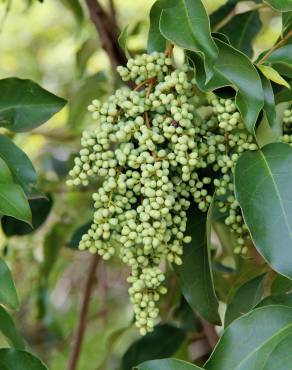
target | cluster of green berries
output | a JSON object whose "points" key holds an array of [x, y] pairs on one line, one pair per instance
{"points": [[287, 126], [152, 150]]}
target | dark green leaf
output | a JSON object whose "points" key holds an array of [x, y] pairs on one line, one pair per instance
{"points": [[281, 60], [13, 359], [280, 5], [222, 12], [278, 299], [8, 294], [167, 364], [155, 42], [281, 357], [281, 284], [232, 68], [249, 340], [123, 40], [187, 25], [14, 203], [195, 274], [286, 22], [242, 29], [86, 50], [164, 341], [25, 105], [245, 298], [269, 101], [76, 237], [40, 209], [5, 173], [19, 164], [263, 188], [7, 327]]}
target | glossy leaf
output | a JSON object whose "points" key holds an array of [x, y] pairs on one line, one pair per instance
{"points": [[280, 5], [280, 285], [222, 12], [5, 173], [164, 341], [273, 75], [187, 25], [40, 209], [8, 329], [281, 60], [19, 164], [281, 357], [269, 101], [195, 275], [155, 42], [13, 359], [249, 340], [262, 187], [245, 298], [277, 299], [14, 203], [167, 364], [232, 68], [242, 29], [25, 105], [8, 294]]}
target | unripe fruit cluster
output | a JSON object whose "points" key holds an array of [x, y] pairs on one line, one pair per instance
{"points": [[152, 149], [287, 126]]}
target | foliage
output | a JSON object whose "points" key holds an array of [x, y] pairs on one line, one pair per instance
{"points": [[214, 92]]}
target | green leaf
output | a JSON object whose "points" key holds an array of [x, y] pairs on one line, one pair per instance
{"points": [[269, 101], [248, 341], [278, 299], [19, 164], [281, 357], [86, 50], [76, 237], [7, 327], [155, 42], [273, 75], [245, 298], [123, 37], [286, 22], [232, 68], [195, 275], [280, 5], [40, 209], [222, 12], [164, 341], [14, 203], [5, 173], [242, 29], [281, 60], [13, 359], [168, 364], [25, 105], [263, 189], [280, 285], [187, 25], [8, 294]]}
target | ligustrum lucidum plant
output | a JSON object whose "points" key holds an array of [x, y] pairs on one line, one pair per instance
{"points": [[188, 167], [203, 133]]}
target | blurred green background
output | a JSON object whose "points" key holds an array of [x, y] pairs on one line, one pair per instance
{"points": [[54, 43]]}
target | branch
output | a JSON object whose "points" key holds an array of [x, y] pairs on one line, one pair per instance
{"points": [[210, 333], [107, 30], [80, 331]]}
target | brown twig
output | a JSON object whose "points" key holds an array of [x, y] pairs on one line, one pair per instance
{"points": [[210, 333], [108, 32], [80, 330], [275, 47]]}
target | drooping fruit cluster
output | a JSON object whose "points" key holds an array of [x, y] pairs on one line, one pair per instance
{"points": [[155, 153]]}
